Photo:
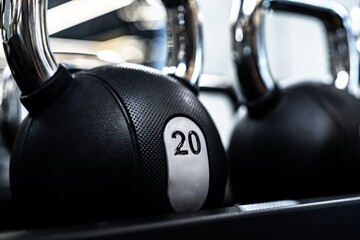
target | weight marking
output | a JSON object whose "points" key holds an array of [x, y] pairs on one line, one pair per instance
{"points": [[178, 150], [188, 164], [198, 144]]}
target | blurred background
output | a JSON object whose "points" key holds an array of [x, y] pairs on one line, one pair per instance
{"points": [[296, 49], [134, 31]]}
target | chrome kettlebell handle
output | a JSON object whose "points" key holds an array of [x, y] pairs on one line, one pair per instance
{"points": [[25, 38], [249, 48], [184, 35]]}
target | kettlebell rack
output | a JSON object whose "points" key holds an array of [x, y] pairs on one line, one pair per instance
{"points": [[326, 218], [50, 185]]}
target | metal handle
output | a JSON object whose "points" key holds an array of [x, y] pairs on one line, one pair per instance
{"points": [[27, 50], [249, 48], [26, 43], [184, 33]]}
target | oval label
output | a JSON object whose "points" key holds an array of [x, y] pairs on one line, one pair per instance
{"points": [[188, 164]]}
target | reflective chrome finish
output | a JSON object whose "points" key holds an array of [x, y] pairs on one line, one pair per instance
{"points": [[26, 40], [26, 37], [249, 48], [184, 34]]}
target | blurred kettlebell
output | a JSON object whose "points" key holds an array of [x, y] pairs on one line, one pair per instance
{"points": [[113, 141], [10, 108], [301, 141]]}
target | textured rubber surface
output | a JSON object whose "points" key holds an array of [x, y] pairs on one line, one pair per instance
{"points": [[307, 145], [97, 150], [76, 156], [149, 97]]}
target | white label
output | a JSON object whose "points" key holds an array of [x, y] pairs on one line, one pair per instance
{"points": [[188, 164]]}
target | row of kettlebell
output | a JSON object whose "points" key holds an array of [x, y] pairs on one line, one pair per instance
{"points": [[126, 140], [303, 140]]}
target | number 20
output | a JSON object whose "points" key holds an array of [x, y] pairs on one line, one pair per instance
{"points": [[191, 136]]}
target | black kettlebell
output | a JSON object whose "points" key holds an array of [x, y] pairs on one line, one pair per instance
{"points": [[10, 106], [12, 113], [301, 141], [113, 141]]}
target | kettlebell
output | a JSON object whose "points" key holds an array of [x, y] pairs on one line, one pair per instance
{"points": [[10, 106], [301, 141], [114, 141], [12, 113]]}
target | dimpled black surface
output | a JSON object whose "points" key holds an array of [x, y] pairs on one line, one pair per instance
{"points": [[151, 100], [75, 158], [96, 151]]}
